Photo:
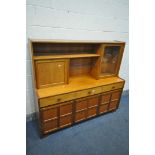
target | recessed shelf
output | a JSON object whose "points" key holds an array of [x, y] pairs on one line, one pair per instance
{"points": [[65, 56]]}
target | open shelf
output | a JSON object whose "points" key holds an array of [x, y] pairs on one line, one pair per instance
{"points": [[65, 56]]}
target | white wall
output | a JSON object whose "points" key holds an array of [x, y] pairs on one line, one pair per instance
{"points": [[80, 20]]}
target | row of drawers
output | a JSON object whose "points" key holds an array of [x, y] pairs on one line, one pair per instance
{"points": [[79, 94], [64, 114]]}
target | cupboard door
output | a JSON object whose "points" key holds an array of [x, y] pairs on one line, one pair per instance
{"points": [[49, 113], [103, 108], [65, 120], [115, 97], [66, 114], [92, 112], [81, 105], [93, 101], [50, 126], [113, 105], [66, 109], [82, 115], [51, 72], [105, 98], [86, 107], [111, 59]]}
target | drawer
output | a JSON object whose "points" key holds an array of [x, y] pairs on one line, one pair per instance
{"points": [[88, 92], [112, 86], [56, 99]]}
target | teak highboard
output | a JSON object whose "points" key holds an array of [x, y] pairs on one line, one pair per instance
{"points": [[75, 80]]}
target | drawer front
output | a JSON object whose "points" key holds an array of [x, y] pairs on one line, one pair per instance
{"points": [[57, 99], [112, 86], [89, 92]]}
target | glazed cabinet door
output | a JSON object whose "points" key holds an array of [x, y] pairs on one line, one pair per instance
{"points": [[111, 56], [51, 72]]}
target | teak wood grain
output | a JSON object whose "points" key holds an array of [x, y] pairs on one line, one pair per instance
{"points": [[78, 83], [71, 56], [51, 72], [72, 82], [79, 110]]}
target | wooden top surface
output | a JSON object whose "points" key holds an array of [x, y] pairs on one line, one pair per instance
{"points": [[76, 84], [72, 41]]}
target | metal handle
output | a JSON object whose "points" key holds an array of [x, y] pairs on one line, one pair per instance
{"points": [[59, 65], [93, 91], [89, 92], [59, 99]]}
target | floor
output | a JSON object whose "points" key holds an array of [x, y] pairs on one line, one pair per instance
{"points": [[104, 135]]}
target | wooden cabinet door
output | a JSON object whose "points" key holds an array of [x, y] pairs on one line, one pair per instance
{"points": [[66, 114], [51, 72], [104, 104], [115, 97], [86, 108]]}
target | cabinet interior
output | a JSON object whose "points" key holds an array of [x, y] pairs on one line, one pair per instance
{"points": [[81, 66], [43, 49]]}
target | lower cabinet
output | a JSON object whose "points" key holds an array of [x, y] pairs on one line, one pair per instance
{"points": [[67, 113]]}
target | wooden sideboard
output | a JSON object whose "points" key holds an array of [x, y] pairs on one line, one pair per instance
{"points": [[75, 80]]}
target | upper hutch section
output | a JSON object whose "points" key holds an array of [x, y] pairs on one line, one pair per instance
{"points": [[55, 62]]}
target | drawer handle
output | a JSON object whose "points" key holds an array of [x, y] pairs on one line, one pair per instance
{"points": [[59, 65], [93, 91], [59, 99], [89, 92]]}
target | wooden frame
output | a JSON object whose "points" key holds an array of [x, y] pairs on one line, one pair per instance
{"points": [[122, 45], [96, 72]]}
